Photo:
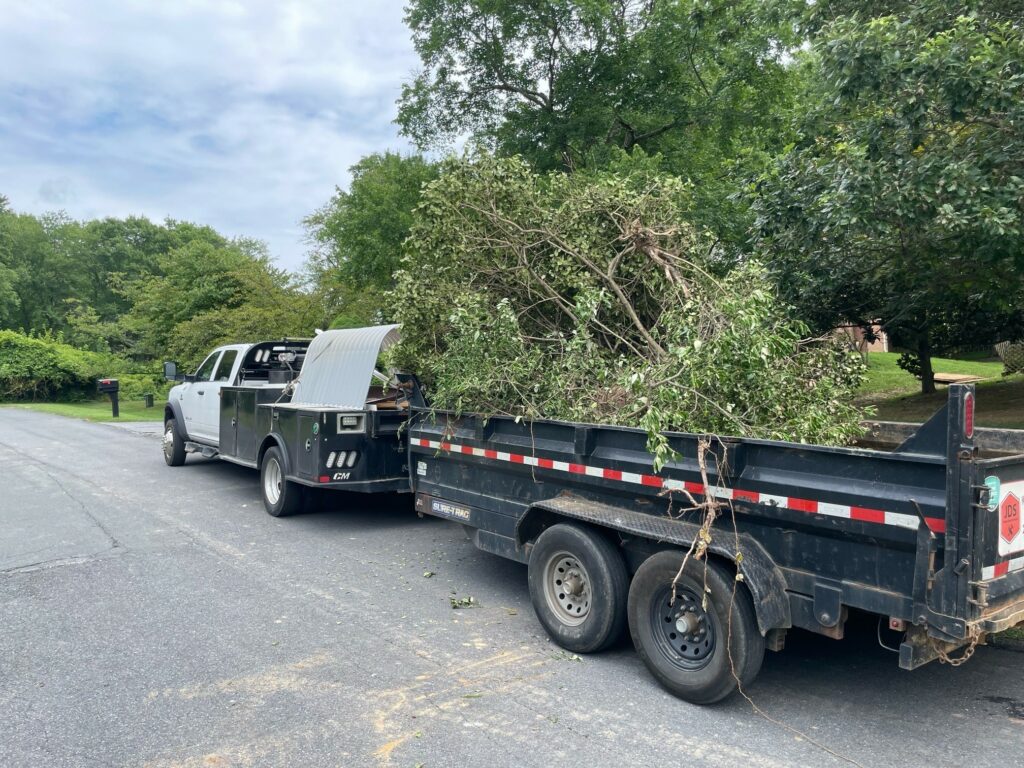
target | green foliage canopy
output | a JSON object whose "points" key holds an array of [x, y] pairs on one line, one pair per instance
{"points": [[358, 234], [904, 198], [133, 292], [207, 294], [564, 83]]}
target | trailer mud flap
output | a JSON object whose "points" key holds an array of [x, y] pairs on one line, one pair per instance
{"points": [[763, 578]]}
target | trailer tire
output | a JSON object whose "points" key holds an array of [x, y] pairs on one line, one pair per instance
{"points": [[700, 659], [281, 497], [174, 444], [592, 614]]}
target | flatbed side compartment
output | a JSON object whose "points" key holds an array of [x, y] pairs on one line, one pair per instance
{"points": [[309, 436]]}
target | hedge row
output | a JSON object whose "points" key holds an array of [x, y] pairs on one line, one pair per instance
{"points": [[45, 368]]}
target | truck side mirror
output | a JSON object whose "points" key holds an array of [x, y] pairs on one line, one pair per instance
{"points": [[171, 371]]}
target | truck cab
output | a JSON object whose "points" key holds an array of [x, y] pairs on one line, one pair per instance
{"points": [[195, 402], [193, 413]]}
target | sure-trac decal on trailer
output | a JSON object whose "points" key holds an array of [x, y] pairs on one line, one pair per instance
{"points": [[449, 510]]}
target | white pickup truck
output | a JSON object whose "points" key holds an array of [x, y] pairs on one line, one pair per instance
{"points": [[311, 415]]}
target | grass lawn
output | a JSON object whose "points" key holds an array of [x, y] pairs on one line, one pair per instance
{"points": [[97, 410], [895, 394]]}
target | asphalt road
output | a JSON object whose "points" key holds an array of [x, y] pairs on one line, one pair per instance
{"points": [[159, 617]]}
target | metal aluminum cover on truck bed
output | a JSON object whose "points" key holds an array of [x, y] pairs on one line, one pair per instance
{"points": [[339, 366]]}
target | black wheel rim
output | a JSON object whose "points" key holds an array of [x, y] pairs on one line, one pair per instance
{"points": [[683, 631]]}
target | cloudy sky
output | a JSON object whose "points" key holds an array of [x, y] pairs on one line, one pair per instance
{"points": [[243, 115]]}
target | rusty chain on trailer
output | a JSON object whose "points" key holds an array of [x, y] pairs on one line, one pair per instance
{"points": [[963, 658]]}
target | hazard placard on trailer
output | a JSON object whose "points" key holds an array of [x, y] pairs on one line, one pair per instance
{"points": [[1011, 536]]}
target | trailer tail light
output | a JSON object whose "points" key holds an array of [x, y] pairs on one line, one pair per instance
{"points": [[341, 459], [969, 415], [352, 457], [330, 459]]}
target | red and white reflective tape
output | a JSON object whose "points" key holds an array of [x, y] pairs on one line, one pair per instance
{"points": [[861, 514], [1001, 569]]}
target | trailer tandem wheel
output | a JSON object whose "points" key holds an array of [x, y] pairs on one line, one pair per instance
{"points": [[579, 587], [697, 648]]}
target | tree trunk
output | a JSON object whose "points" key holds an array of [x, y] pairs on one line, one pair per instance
{"points": [[924, 354]]}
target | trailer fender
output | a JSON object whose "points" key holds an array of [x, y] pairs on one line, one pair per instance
{"points": [[274, 439], [763, 578]]}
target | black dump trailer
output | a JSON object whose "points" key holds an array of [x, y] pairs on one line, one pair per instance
{"points": [[927, 537], [331, 422]]}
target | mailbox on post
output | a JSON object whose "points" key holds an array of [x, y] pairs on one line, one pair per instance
{"points": [[110, 387]]}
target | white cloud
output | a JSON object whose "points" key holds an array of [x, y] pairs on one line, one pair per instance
{"points": [[239, 115]]}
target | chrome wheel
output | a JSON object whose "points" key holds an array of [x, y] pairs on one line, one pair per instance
{"points": [[567, 588], [272, 481], [168, 442]]}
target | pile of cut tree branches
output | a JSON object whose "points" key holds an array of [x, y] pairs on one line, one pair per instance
{"points": [[588, 297]]}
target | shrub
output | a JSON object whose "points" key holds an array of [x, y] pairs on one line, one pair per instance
{"points": [[46, 368]]}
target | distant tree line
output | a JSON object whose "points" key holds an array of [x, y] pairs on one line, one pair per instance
{"points": [[141, 290], [127, 293]]}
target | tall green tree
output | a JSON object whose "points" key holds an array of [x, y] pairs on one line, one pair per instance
{"points": [[108, 248], [700, 83], [9, 301], [38, 272], [207, 293], [903, 200], [357, 235]]}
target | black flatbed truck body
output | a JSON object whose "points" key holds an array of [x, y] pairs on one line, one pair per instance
{"points": [[912, 535], [326, 447]]}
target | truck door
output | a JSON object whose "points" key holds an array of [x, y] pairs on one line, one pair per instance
{"points": [[209, 405], [193, 395]]}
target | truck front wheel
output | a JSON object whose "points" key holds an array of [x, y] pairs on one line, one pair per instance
{"points": [[281, 497], [174, 445], [578, 586], [702, 642]]}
